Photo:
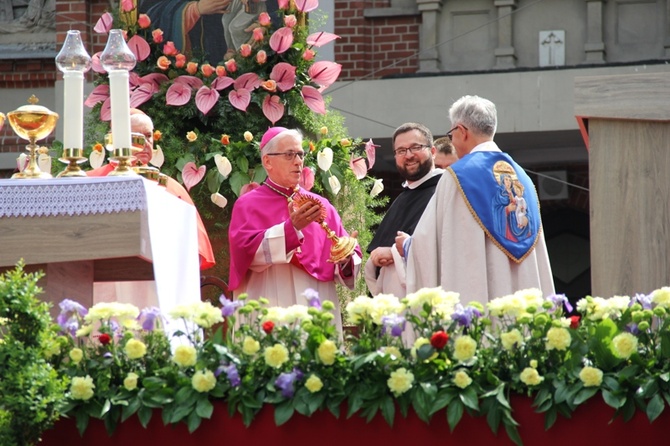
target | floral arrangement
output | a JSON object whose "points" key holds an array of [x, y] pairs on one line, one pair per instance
{"points": [[210, 116], [427, 352]]}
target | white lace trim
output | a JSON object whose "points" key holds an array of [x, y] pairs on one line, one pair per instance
{"points": [[71, 196]]}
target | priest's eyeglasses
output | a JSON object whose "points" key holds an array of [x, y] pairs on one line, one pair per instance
{"points": [[288, 156], [414, 149]]}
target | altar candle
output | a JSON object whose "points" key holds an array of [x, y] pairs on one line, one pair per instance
{"points": [[73, 112], [120, 94]]}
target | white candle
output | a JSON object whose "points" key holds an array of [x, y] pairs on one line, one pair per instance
{"points": [[73, 111], [120, 94]]}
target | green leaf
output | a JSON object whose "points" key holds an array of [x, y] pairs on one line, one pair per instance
{"points": [[130, 409], [454, 414], [82, 421], [513, 433], [442, 399], [469, 398], [237, 180], [550, 418], [584, 395], [259, 175], [180, 413], [283, 412], [204, 407], [388, 410], [242, 163], [665, 344], [144, 415], [105, 408], [213, 180], [614, 400], [193, 422], [655, 407]]}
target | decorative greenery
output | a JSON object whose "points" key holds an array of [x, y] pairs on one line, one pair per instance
{"points": [[31, 392], [463, 359]]}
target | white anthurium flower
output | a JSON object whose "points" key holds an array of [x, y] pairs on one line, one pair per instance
{"points": [[219, 200], [44, 162], [377, 187], [157, 157], [325, 159], [22, 162], [95, 159], [223, 165], [334, 184]]}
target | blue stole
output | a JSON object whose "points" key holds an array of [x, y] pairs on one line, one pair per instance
{"points": [[502, 199]]}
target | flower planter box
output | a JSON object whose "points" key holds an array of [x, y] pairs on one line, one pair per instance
{"points": [[590, 422]]}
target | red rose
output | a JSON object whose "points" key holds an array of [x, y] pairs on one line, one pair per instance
{"points": [[439, 340], [574, 321], [268, 326], [104, 339]]}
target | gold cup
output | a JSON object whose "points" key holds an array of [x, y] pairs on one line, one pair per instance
{"points": [[342, 247], [33, 123]]}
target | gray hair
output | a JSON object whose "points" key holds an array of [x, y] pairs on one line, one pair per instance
{"points": [[477, 114], [409, 126], [270, 146]]}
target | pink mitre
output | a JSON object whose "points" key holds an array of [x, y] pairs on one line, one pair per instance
{"points": [[271, 133]]}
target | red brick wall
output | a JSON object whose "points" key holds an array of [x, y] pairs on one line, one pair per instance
{"points": [[374, 47]]}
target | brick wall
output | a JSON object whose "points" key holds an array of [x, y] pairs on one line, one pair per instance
{"points": [[374, 47]]}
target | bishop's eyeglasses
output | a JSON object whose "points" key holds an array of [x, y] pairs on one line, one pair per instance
{"points": [[288, 156]]}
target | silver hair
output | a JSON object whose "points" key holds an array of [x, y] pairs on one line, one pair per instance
{"points": [[270, 146], [476, 113]]}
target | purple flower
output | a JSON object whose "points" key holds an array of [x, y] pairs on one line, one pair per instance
{"points": [[557, 300], [149, 316], [70, 312], [632, 329], [464, 315], [312, 297], [286, 381], [228, 306], [642, 299], [395, 323], [231, 373]]}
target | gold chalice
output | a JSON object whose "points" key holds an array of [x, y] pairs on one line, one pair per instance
{"points": [[124, 156], [33, 123], [342, 247]]}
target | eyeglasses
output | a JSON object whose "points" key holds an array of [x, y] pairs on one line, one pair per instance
{"points": [[289, 156], [416, 148], [449, 133]]}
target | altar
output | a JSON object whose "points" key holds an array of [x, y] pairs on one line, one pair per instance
{"points": [[82, 231]]}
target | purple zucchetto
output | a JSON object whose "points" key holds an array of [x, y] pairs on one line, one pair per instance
{"points": [[271, 133]]}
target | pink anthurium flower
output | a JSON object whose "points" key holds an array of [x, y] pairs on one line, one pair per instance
{"points": [[249, 187], [306, 5], [284, 74], [139, 47], [141, 94], [178, 94], [155, 79], [205, 99], [370, 152], [104, 23], [321, 38], [313, 99], [222, 82], [324, 73], [281, 40], [192, 81], [99, 94], [248, 81], [96, 64], [192, 175], [307, 178], [358, 166], [240, 99], [273, 108], [106, 110]]}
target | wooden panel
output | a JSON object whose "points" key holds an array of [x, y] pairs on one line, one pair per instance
{"points": [[630, 206], [630, 96], [65, 239]]}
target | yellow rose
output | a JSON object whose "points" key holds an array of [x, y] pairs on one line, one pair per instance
{"points": [[533, 363], [464, 348], [248, 136], [392, 351], [185, 355], [130, 382], [76, 355], [462, 379], [250, 346], [591, 376], [203, 381], [558, 339], [511, 339], [327, 351], [400, 381], [191, 136], [276, 355], [323, 130], [661, 297], [530, 377], [313, 383], [345, 142], [624, 345], [135, 349], [82, 388]]}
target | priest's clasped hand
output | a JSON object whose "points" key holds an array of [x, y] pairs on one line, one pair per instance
{"points": [[305, 214]]}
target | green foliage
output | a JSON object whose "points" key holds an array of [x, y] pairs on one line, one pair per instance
{"points": [[31, 391]]}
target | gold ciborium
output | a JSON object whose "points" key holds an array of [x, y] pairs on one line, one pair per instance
{"points": [[125, 156], [342, 247], [33, 123]]}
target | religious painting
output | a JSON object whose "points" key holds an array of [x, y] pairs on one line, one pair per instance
{"points": [[209, 28], [509, 206], [27, 28]]}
